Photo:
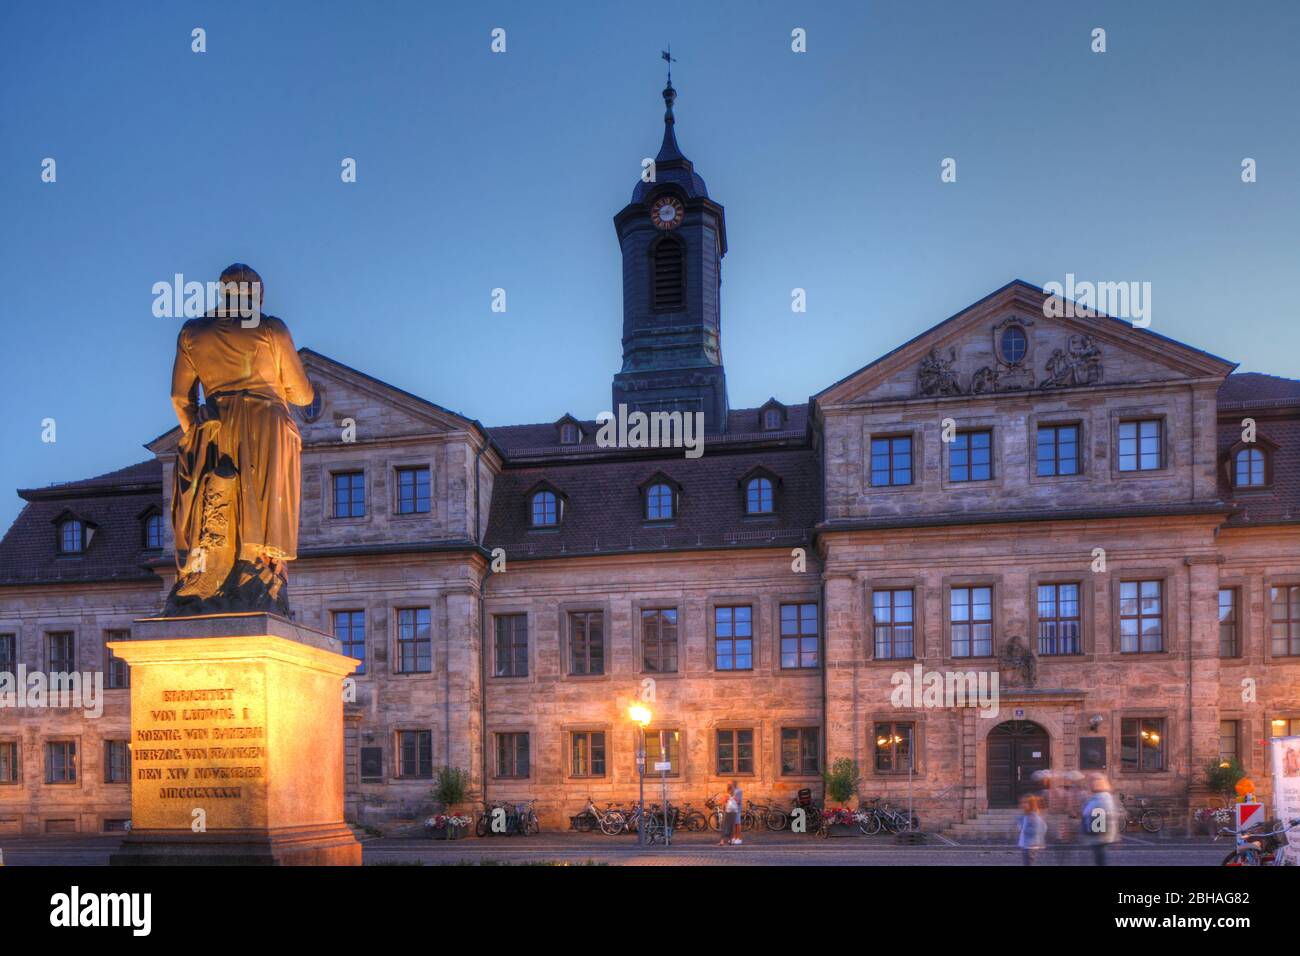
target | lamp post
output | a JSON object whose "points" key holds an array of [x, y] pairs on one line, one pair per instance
{"points": [[641, 716], [895, 740]]}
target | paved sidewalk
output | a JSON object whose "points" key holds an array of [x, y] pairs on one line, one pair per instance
{"points": [[691, 849]]}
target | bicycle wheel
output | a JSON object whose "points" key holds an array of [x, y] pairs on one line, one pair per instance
{"points": [[870, 824], [654, 830], [612, 823], [1153, 821], [715, 820], [747, 820], [584, 823], [531, 826], [695, 822], [776, 819]]}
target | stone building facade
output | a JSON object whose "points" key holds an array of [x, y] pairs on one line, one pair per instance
{"points": [[1102, 520]]}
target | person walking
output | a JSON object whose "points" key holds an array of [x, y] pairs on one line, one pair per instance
{"points": [[728, 816], [1033, 830], [738, 819], [1101, 819]]}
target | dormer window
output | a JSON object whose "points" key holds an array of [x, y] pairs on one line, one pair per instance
{"points": [[1249, 468], [545, 509], [659, 502], [568, 434], [72, 537], [153, 532], [758, 496], [1249, 465], [771, 416]]}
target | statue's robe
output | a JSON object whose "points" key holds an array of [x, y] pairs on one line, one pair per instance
{"points": [[244, 432]]}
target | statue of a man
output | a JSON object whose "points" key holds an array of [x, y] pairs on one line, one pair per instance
{"points": [[236, 491]]}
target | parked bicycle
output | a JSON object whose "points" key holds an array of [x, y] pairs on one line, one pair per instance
{"points": [[772, 817], [609, 820], [517, 819], [747, 818], [878, 816], [1257, 846], [1138, 811], [688, 818]]}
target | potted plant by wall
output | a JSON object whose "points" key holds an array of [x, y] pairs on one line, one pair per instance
{"points": [[450, 792], [446, 826], [841, 784], [1221, 778]]}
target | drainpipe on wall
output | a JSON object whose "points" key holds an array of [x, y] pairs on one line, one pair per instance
{"points": [[1190, 605], [482, 631]]}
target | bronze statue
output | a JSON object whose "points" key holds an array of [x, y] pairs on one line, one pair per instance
{"points": [[236, 490]]}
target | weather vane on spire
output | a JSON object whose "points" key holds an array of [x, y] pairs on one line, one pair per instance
{"points": [[668, 58]]}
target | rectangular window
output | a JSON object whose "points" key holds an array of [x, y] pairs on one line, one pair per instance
{"points": [[893, 742], [971, 456], [1285, 620], [8, 761], [1142, 743], [659, 641], [349, 494], [1058, 620], [415, 753], [1228, 623], [350, 629], [971, 621], [1141, 445], [372, 763], [1141, 617], [117, 675], [1229, 735], [735, 751], [587, 753], [801, 751], [586, 642], [799, 635], [1058, 450], [61, 652], [660, 746], [512, 755], [61, 761], [8, 653], [511, 645], [117, 761], [733, 638], [1284, 727], [414, 641], [413, 491], [891, 615], [891, 461]]}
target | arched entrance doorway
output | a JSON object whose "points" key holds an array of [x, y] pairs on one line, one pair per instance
{"points": [[1016, 749]]}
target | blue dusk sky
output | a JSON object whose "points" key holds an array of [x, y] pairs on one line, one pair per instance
{"points": [[479, 170]]}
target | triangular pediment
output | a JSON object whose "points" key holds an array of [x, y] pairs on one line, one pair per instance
{"points": [[378, 410], [1020, 339]]}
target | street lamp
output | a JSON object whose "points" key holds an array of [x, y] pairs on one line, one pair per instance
{"points": [[641, 716], [895, 740]]}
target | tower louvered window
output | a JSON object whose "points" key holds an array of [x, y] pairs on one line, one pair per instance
{"points": [[668, 263]]}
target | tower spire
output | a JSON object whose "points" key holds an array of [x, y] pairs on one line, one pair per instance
{"points": [[669, 150]]}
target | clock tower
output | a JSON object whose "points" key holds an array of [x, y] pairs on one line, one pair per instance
{"points": [[673, 238]]}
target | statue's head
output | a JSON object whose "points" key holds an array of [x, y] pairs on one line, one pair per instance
{"points": [[242, 291]]}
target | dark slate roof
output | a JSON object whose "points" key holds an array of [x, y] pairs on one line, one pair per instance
{"points": [[112, 503], [543, 438], [1274, 403], [603, 510], [1255, 388]]}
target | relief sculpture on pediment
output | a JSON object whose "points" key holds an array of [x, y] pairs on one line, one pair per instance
{"points": [[936, 376], [1077, 364]]}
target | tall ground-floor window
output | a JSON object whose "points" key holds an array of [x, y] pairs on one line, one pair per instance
{"points": [[1142, 743], [800, 751]]}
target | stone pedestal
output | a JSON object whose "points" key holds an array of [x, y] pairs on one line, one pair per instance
{"points": [[236, 743]]}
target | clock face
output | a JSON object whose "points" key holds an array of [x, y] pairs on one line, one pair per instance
{"points": [[666, 213]]}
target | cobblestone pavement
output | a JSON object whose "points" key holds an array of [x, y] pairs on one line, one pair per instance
{"points": [[781, 849]]}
